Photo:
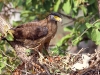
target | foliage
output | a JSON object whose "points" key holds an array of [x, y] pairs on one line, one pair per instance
{"points": [[87, 25], [8, 58]]}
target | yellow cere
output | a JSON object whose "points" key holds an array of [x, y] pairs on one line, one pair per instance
{"points": [[57, 18]]}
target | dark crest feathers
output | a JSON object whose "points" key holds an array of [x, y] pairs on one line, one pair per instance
{"points": [[56, 14]]}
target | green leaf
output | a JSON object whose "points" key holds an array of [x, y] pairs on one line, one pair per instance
{"points": [[97, 25], [0, 56], [25, 15], [75, 10], [2, 61], [25, 12], [69, 29], [88, 25], [63, 40], [2, 65], [1, 5], [95, 36], [28, 50], [67, 7], [76, 3], [76, 41], [9, 37], [98, 37], [16, 2], [55, 50], [0, 70], [32, 17], [84, 9], [91, 1], [28, 2], [46, 5], [56, 6]]}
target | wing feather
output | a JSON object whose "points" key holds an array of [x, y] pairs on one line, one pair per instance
{"points": [[30, 31]]}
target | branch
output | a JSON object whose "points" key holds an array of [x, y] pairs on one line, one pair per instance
{"points": [[21, 51], [99, 7], [68, 16], [4, 27]]}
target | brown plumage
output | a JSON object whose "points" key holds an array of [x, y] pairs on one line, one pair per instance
{"points": [[38, 33]]}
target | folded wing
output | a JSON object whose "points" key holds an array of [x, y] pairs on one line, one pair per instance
{"points": [[30, 31]]}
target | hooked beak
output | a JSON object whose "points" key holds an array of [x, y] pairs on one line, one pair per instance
{"points": [[58, 19]]}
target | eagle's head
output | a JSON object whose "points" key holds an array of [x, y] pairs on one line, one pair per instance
{"points": [[55, 17]]}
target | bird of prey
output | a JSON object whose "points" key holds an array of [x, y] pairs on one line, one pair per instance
{"points": [[39, 33]]}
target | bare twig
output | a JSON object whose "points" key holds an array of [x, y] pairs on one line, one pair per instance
{"points": [[68, 16], [25, 72], [5, 54]]}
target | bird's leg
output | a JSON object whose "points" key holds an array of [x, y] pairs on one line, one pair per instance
{"points": [[42, 62], [45, 52], [46, 45], [40, 54]]}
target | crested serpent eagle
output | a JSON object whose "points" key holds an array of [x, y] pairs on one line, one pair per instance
{"points": [[37, 34]]}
